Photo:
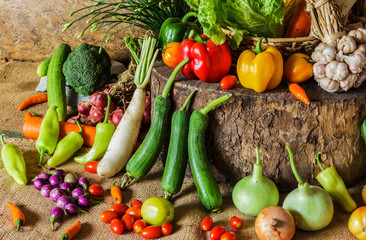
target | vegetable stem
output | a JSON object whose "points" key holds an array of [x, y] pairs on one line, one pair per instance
{"points": [[80, 128], [258, 47], [318, 160], [2, 139], [258, 168], [214, 103], [187, 100], [293, 167], [170, 81], [107, 112], [187, 16]]}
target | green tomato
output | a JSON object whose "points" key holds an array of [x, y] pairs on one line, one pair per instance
{"points": [[157, 211]]}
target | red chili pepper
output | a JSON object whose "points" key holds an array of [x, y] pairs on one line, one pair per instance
{"points": [[208, 62]]}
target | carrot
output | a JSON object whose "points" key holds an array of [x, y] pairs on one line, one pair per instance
{"points": [[72, 231], [32, 124], [18, 216], [116, 193], [300, 23], [298, 92], [38, 98]]}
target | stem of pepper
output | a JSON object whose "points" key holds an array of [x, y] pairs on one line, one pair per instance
{"points": [[214, 103], [2, 139], [187, 100], [293, 167], [318, 160], [187, 16], [107, 112], [198, 38], [258, 47], [172, 77]]}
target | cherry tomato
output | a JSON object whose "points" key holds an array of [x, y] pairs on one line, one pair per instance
{"points": [[135, 203], [128, 221], [357, 223], [119, 208], [229, 81], [96, 190], [117, 226], [166, 228], [236, 222], [228, 236], [138, 225], [151, 232], [157, 211], [91, 166], [171, 54], [216, 232], [206, 224], [107, 216], [135, 212], [297, 68]]}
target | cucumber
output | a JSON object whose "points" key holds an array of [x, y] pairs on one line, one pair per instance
{"points": [[176, 160], [363, 130], [43, 67], [146, 155], [56, 92], [204, 179]]}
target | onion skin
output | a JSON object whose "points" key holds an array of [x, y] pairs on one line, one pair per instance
{"points": [[275, 223]]}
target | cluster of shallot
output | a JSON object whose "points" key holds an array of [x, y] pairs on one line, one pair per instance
{"points": [[69, 192], [341, 67]]}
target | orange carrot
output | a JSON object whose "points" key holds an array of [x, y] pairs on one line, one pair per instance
{"points": [[116, 193], [32, 124], [72, 231], [38, 98], [18, 216], [298, 92]]}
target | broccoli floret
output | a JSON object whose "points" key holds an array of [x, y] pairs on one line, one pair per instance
{"points": [[86, 70]]}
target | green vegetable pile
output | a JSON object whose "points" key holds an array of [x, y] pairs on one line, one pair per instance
{"points": [[87, 70], [248, 17]]}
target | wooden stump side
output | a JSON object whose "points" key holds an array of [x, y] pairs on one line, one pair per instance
{"points": [[272, 120]]}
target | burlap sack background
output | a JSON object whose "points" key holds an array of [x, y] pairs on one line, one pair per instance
{"points": [[17, 82]]}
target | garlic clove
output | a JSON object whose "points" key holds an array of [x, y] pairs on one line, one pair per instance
{"points": [[329, 85]]}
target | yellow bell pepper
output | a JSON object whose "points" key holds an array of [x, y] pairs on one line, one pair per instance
{"points": [[260, 69]]}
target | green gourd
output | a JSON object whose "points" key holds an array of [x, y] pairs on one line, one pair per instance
{"points": [[311, 205], [254, 193]]}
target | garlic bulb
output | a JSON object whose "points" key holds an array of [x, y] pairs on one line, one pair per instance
{"points": [[358, 35], [329, 85], [348, 82], [346, 44], [355, 62], [336, 70], [319, 70], [325, 53]]}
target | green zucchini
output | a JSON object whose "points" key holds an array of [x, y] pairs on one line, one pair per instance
{"points": [[176, 160], [363, 130], [43, 67], [56, 92], [146, 155], [204, 179]]}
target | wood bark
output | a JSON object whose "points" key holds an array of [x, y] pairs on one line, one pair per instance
{"points": [[272, 120]]}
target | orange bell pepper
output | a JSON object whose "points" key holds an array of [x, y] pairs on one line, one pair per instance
{"points": [[260, 69], [298, 68]]}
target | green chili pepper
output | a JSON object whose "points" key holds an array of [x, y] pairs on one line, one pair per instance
{"points": [[48, 133], [334, 185], [176, 30], [67, 147], [14, 163], [103, 134]]}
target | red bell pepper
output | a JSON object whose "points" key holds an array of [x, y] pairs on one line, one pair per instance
{"points": [[208, 62]]}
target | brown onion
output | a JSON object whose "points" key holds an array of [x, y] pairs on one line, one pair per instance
{"points": [[275, 223]]}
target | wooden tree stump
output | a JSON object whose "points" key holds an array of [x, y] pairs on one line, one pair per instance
{"points": [[272, 120]]}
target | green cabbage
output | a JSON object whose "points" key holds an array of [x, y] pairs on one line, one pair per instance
{"points": [[251, 17]]}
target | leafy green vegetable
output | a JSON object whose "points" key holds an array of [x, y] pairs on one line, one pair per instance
{"points": [[255, 17]]}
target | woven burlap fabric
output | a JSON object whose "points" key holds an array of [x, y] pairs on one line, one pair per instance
{"points": [[18, 81]]}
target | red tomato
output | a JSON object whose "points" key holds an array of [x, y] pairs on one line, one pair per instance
{"points": [[206, 224], [107, 216], [167, 228], [91, 166], [96, 190], [357, 223], [216, 232], [236, 222], [119, 208], [151, 232], [117, 226], [135, 212], [138, 225], [228, 236], [128, 221], [227, 82], [135, 203]]}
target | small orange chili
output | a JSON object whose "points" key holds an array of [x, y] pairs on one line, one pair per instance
{"points": [[72, 231], [116, 193], [298, 92], [18, 216]]}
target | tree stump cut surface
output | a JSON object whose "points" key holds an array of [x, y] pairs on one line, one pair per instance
{"points": [[272, 120]]}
